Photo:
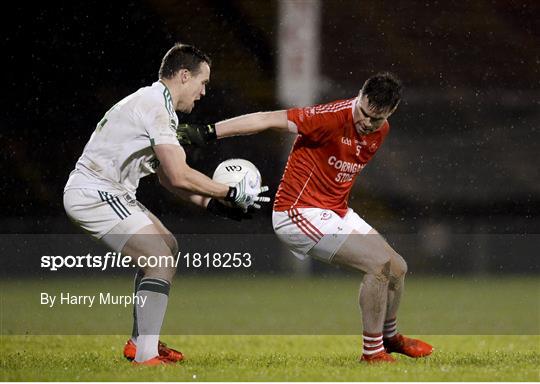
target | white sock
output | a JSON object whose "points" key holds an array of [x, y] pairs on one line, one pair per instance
{"points": [[372, 343], [147, 347], [150, 316]]}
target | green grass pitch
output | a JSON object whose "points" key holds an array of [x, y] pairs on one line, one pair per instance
{"points": [[238, 328], [269, 358]]}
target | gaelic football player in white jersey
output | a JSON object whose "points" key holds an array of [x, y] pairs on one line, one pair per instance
{"points": [[311, 215], [135, 138]]}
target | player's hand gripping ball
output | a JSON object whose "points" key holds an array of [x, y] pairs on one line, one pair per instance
{"points": [[246, 178]]}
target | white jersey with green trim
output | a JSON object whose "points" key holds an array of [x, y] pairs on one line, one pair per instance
{"points": [[119, 152]]}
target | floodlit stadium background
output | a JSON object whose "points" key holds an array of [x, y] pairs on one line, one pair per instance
{"points": [[462, 156]]}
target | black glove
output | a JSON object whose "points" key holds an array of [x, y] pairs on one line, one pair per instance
{"points": [[196, 134], [218, 209]]}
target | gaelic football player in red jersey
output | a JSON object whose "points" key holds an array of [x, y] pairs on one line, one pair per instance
{"points": [[335, 142]]}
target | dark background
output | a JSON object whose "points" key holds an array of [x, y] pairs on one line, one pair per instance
{"points": [[462, 156]]}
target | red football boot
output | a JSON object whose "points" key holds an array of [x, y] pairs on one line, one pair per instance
{"points": [[380, 357], [130, 349], [171, 354], [158, 360], [407, 346]]}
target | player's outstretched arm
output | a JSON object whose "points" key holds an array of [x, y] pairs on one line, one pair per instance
{"points": [[200, 135], [253, 123]]}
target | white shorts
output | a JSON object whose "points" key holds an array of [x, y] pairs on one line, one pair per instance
{"points": [[316, 232], [113, 218]]}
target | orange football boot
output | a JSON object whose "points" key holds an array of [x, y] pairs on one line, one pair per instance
{"points": [[407, 346], [130, 349], [380, 357], [158, 360]]}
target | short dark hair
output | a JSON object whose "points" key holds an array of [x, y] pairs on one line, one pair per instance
{"points": [[383, 90], [182, 56]]}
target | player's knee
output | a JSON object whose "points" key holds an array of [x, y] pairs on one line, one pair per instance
{"points": [[175, 256], [173, 244], [399, 267], [384, 273], [165, 269], [168, 268], [380, 267], [404, 268], [169, 274]]}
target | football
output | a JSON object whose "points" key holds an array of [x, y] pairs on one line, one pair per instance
{"points": [[231, 171]]}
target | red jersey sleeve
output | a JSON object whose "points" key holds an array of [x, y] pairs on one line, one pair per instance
{"points": [[316, 123]]}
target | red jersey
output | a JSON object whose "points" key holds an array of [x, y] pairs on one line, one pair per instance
{"points": [[326, 157]]}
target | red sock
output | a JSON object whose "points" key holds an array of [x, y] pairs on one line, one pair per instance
{"points": [[372, 343], [390, 328]]}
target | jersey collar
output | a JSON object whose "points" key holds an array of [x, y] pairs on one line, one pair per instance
{"points": [[166, 94]]}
